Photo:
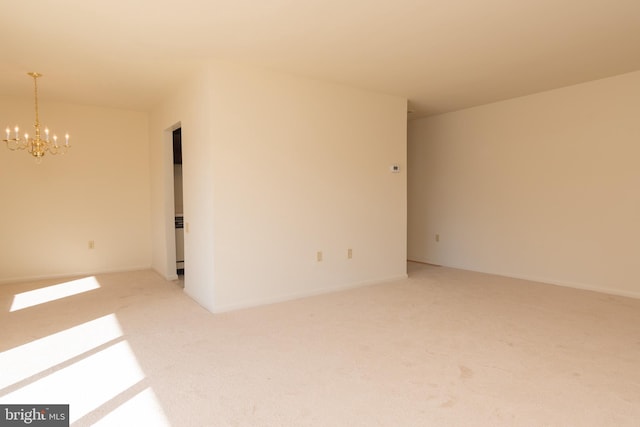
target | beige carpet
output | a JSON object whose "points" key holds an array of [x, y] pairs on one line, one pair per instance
{"points": [[442, 348]]}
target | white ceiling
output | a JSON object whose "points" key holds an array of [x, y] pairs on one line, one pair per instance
{"points": [[442, 55]]}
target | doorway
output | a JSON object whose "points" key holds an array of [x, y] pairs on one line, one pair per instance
{"points": [[178, 200]]}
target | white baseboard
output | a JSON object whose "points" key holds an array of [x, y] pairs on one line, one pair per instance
{"points": [[72, 274], [575, 285], [304, 294], [546, 280]]}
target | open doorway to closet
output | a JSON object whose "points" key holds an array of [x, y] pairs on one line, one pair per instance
{"points": [[177, 197]]}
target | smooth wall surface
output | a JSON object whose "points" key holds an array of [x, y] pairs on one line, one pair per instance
{"points": [[190, 110], [544, 187], [98, 191], [300, 167], [287, 167]]}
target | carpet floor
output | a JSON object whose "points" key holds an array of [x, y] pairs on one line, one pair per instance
{"points": [[444, 347]]}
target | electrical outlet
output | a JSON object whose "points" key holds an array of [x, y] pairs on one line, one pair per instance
{"points": [[92, 244], [319, 256], [437, 237], [349, 253]]}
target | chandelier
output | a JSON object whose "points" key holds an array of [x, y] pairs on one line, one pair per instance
{"points": [[36, 145]]}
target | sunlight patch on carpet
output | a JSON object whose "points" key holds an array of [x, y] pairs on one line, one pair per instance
{"points": [[141, 410], [86, 384], [37, 356], [53, 292]]}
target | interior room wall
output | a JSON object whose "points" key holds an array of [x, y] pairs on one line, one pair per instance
{"points": [[542, 187], [98, 191], [302, 166], [190, 109], [294, 167]]}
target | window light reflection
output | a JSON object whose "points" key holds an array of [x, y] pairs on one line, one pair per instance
{"points": [[44, 353], [87, 384], [52, 293], [143, 409]]}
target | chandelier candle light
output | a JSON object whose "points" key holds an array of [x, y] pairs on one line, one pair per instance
{"points": [[37, 146]]}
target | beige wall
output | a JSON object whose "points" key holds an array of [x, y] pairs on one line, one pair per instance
{"points": [[98, 191], [282, 167], [545, 187], [190, 109]]}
